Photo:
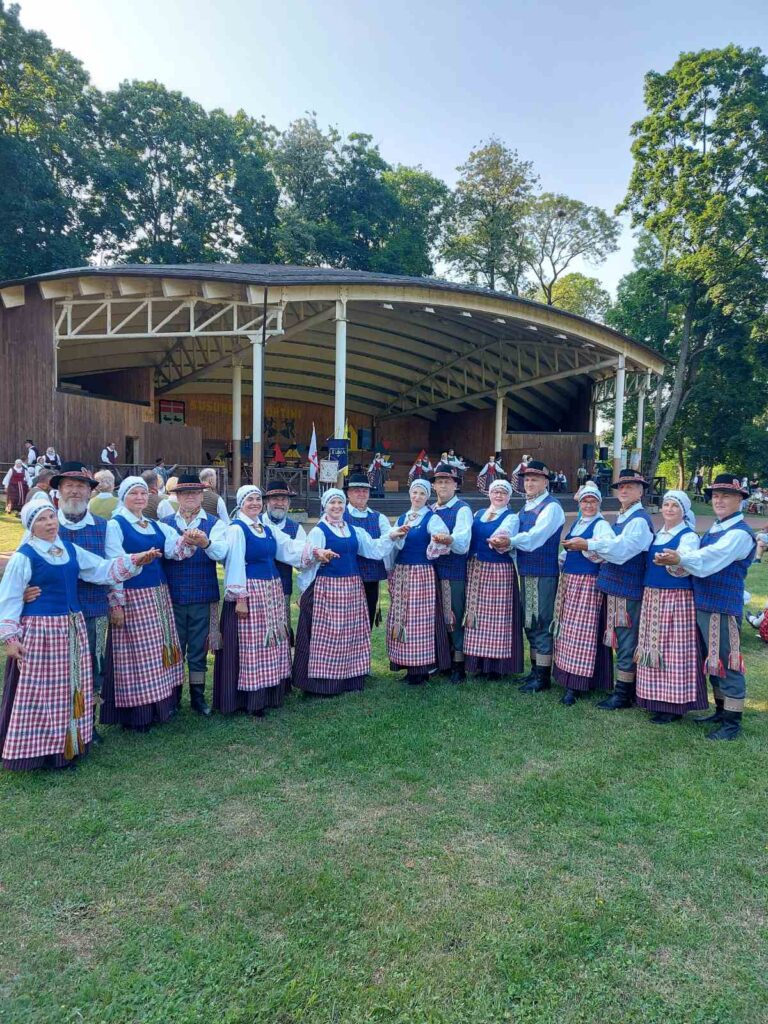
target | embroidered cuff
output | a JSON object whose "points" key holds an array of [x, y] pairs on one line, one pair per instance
{"points": [[123, 569], [236, 593]]}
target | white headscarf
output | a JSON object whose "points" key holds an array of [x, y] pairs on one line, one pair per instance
{"points": [[244, 492], [682, 499], [503, 485], [332, 492], [589, 488], [128, 485], [425, 485], [39, 503]]}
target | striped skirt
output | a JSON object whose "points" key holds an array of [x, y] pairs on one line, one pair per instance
{"points": [[493, 626], [244, 659], [417, 636], [670, 675], [142, 665], [38, 707], [333, 637], [581, 661]]}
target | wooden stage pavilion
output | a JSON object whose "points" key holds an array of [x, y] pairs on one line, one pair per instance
{"points": [[184, 360]]}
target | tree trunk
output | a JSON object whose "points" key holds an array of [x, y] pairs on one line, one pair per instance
{"points": [[680, 466], [676, 395]]}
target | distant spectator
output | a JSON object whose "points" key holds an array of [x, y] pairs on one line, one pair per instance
{"points": [[152, 480], [213, 503], [52, 459], [170, 501], [42, 483], [162, 470], [16, 486], [31, 450], [104, 501]]}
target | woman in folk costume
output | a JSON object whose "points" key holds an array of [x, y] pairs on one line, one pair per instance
{"points": [[518, 475], [46, 717], [493, 640], [719, 570], [421, 468], [582, 662], [417, 635], [378, 471], [253, 667], [16, 486], [333, 637], [491, 471], [143, 665], [670, 680]]}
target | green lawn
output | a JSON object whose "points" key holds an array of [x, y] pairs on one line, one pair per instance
{"points": [[438, 854]]}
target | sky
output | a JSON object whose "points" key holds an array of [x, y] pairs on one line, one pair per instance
{"points": [[561, 82]]}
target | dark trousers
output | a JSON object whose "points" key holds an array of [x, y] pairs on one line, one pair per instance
{"points": [[538, 634], [371, 598], [731, 688], [92, 627], [192, 624]]}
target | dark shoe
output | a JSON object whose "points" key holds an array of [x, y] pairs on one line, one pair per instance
{"points": [[664, 718], [197, 700], [541, 681], [530, 678], [730, 727], [414, 680], [715, 718], [569, 698], [458, 673], [254, 714], [623, 696], [96, 738]]}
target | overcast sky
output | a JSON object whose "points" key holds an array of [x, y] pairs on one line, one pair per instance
{"points": [[559, 81]]}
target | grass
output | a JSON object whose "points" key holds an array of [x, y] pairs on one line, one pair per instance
{"points": [[440, 854]]}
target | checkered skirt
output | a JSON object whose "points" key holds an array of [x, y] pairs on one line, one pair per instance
{"points": [[37, 700], [137, 650], [416, 645], [333, 637], [494, 629], [575, 649], [678, 682], [263, 663]]}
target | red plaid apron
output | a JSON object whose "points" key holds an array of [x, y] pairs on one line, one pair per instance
{"points": [[578, 609], [668, 625], [492, 599], [265, 649], [137, 648], [42, 708], [340, 646], [411, 617]]}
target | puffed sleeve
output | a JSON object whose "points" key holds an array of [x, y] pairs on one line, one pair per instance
{"points": [[235, 584], [289, 550], [18, 573], [369, 547], [688, 542], [104, 571]]}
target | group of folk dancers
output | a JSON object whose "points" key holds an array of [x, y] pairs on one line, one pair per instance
{"points": [[666, 606]]}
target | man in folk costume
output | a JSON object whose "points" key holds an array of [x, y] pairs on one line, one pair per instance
{"points": [[582, 662], [491, 471], [376, 525], [194, 586], [621, 579], [46, 713], [719, 569], [451, 530], [537, 545], [277, 499]]}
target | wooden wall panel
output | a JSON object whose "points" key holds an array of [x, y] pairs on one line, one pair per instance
{"points": [[174, 442], [135, 385], [469, 433], [560, 451], [83, 426]]}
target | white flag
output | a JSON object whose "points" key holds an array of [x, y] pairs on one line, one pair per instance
{"points": [[313, 465]]}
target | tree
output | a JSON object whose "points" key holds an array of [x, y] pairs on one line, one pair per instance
{"points": [[421, 203], [579, 294], [485, 236], [559, 230], [698, 188]]}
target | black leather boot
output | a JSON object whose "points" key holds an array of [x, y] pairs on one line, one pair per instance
{"points": [[541, 680], [529, 680], [730, 726], [623, 696], [715, 718], [458, 672], [569, 698], [415, 680], [197, 693], [665, 718]]}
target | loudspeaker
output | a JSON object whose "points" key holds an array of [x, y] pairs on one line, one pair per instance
{"points": [[604, 453], [587, 452], [364, 438]]}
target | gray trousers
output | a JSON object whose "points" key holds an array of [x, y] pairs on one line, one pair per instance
{"points": [[732, 689], [92, 627], [192, 624], [538, 634], [626, 637]]}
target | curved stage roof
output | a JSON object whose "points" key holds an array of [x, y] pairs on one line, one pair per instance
{"points": [[414, 346]]}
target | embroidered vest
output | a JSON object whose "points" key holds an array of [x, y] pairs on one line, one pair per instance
{"points": [[723, 591]]}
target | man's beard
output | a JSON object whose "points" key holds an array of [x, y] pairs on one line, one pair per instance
{"points": [[73, 508], [277, 515]]}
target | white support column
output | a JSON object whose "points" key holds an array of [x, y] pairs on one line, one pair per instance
{"points": [[618, 419], [339, 416], [258, 406], [498, 432], [640, 420], [237, 421]]}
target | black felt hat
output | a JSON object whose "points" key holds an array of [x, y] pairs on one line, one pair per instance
{"points": [[73, 471], [443, 469], [188, 482], [729, 483], [629, 476], [277, 489], [358, 480], [535, 468]]}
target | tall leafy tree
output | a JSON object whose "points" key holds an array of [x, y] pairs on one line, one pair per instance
{"points": [[579, 294], [485, 236], [698, 187]]}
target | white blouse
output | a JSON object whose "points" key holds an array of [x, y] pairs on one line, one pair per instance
{"points": [[378, 549], [235, 579]]}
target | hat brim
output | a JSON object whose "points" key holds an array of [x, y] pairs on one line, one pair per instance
{"points": [[726, 489], [81, 478], [534, 472], [629, 480], [189, 488]]}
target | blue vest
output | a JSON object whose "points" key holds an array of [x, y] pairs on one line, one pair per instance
{"points": [[58, 583], [451, 566], [134, 542], [290, 528], [92, 596], [723, 591], [481, 534], [414, 549], [194, 580], [346, 548], [625, 580], [371, 569], [259, 553], [575, 563], [656, 576], [543, 561]]}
